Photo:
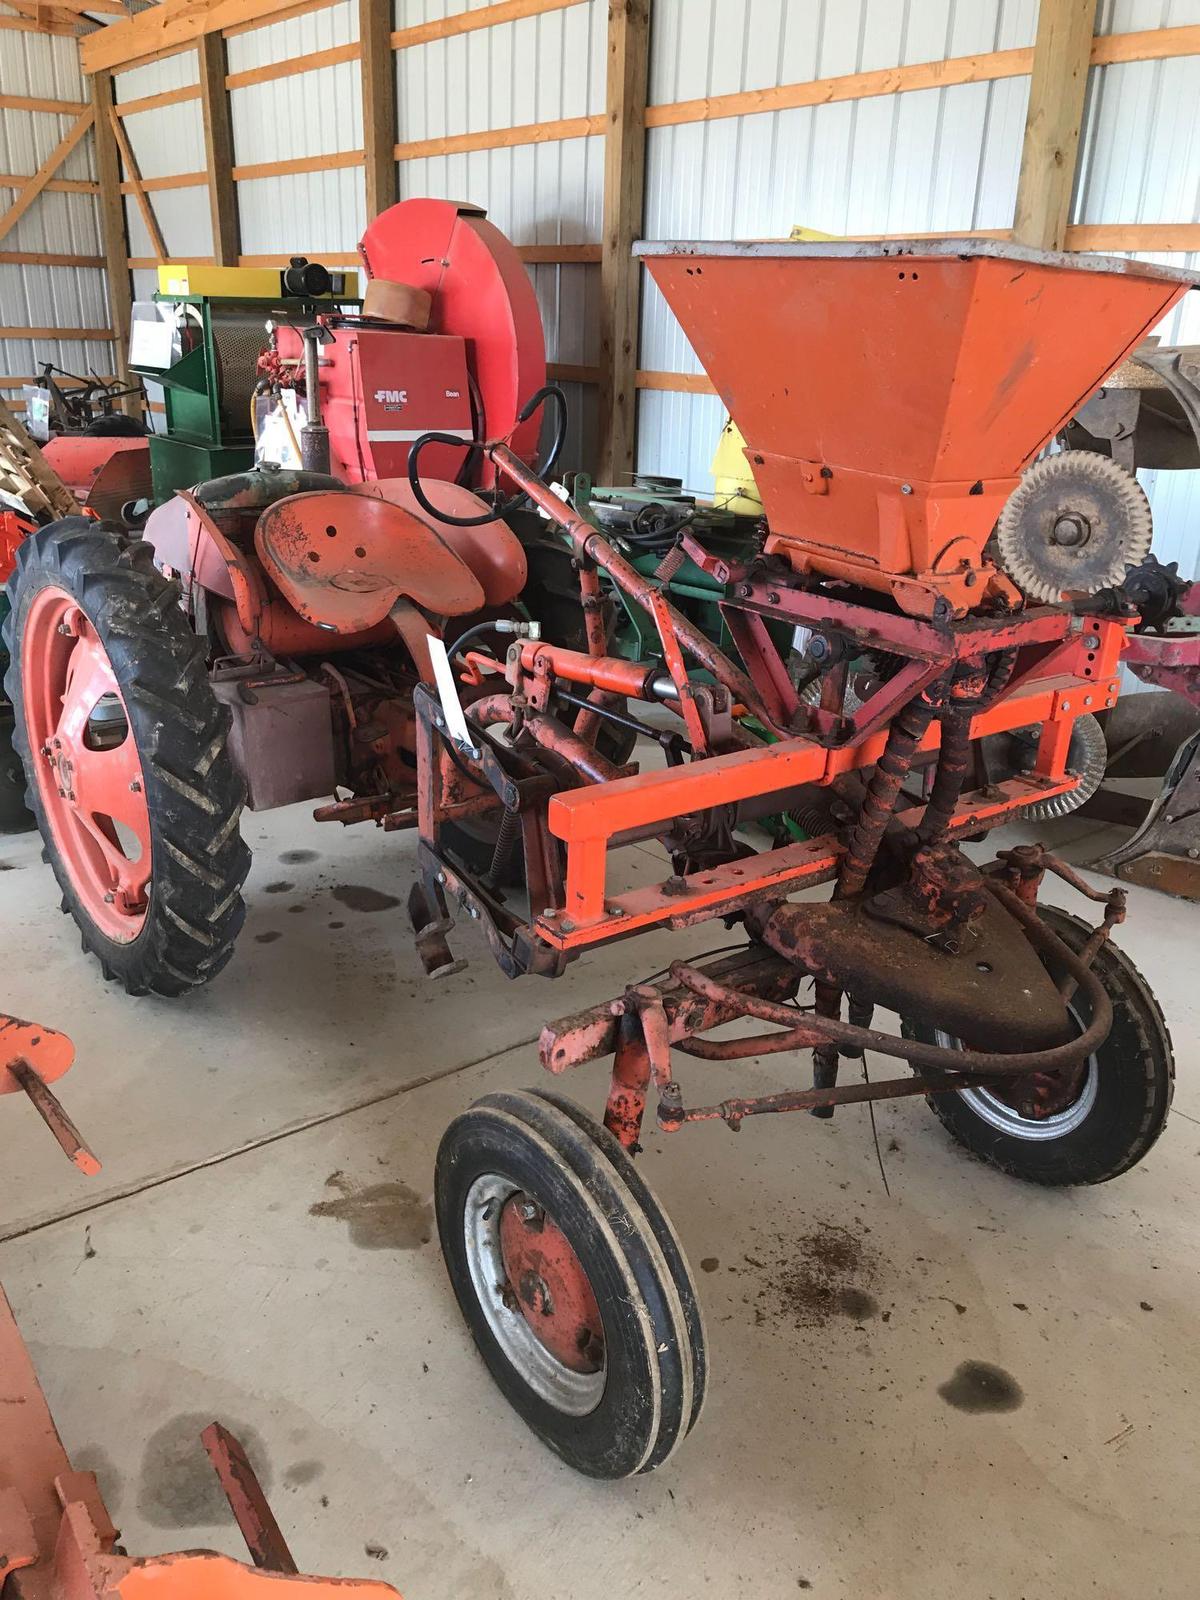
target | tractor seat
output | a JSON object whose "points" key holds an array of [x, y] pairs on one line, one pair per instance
{"points": [[344, 561], [492, 550]]}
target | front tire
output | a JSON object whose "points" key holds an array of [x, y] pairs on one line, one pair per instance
{"points": [[572, 1283], [1119, 1107], [125, 750]]}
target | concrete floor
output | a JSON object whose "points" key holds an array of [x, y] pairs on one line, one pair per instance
{"points": [[257, 1249]]}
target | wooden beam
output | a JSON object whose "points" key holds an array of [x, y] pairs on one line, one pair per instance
{"points": [[1180, 237], [849, 86], [152, 102], [289, 69], [568, 372], [34, 186], [113, 231], [467, 21], [23, 102], [139, 188], [559, 255], [1049, 155], [676, 382], [36, 258], [287, 169], [377, 77], [75, 335], [178, 180], [17, 180], [218, 149], [327, 258], [170, 26], [624, 188], [1152, 44], [42, 19], [503, 138]]}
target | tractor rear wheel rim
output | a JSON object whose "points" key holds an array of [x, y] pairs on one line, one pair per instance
{"points": [[535, 1295], [85, 758]]}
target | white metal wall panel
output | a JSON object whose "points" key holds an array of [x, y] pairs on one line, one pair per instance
{"points": [[46, 67], [307, 114], [925, 161], [536, 69], [1140, 163]]}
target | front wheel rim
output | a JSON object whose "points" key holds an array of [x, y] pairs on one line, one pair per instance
{"points": [[999, 1114], [86, 764], [576, 1393]]}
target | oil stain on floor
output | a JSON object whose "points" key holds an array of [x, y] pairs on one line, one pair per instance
{"points": [[359, 897], [381, 1216], [979, 1386], [177, 1487]]}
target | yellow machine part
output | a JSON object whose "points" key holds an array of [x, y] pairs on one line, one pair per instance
{"points": [[736, 489], [239, 283]]}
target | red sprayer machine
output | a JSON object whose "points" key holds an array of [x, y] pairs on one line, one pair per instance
{"points": [[449, 338]]}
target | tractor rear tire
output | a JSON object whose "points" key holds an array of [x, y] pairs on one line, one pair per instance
{"points": [[15, 815], [94, 630]]}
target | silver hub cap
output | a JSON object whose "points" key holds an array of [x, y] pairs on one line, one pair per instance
{"points": [[575, 1393]]}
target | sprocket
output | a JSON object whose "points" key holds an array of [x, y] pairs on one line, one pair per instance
{"points": [[1074, 524]]}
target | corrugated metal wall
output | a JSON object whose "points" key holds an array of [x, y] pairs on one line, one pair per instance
{"points": [[45, 67], [537, 69], [312, 114], [1140, 162]]}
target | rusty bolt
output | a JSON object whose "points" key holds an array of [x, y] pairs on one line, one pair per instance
{"points": [[63, 629], [109, 898], [136, 786]]}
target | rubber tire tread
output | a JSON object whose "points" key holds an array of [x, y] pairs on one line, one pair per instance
{"points": [[1137, 1080], [664, 1230], [639, 1417], [193, 791], [15, 815]]}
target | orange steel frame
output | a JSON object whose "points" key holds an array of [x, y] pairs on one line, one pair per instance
{"points": [[1070, 669], [1072, 680]]}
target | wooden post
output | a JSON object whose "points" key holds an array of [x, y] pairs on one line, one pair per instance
{"points": [[113, 233], [620, 274], [1051, 149], [377, 74], [218, 150]]}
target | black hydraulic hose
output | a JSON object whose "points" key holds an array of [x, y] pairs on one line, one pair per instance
{"points": [[503, 508]]}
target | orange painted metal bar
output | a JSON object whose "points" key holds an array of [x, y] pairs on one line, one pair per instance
{"points": [[588, 819]]}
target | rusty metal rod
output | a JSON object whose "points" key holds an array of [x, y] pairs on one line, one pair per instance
{"points": [[935, 1058], [733, 1110], [879, 802], [48, 1106], [593, 546]]}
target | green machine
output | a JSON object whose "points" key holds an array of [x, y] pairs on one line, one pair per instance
{"points": [[200, 339]]}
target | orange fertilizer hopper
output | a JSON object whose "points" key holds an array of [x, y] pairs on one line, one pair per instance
{"points": [[891, 394]]}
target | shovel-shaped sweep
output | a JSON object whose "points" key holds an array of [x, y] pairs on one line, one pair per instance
{"points": [[890, 394]]}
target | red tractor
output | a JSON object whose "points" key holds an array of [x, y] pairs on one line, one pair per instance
{"points": [[261, 644]]}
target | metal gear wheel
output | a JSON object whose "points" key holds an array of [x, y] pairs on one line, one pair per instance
{"points": [[1074, 523]]}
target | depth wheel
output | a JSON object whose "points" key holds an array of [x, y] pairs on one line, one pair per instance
{"points": [[125, 751], [572, 1282], [1109, 1118], [15, 815]]}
